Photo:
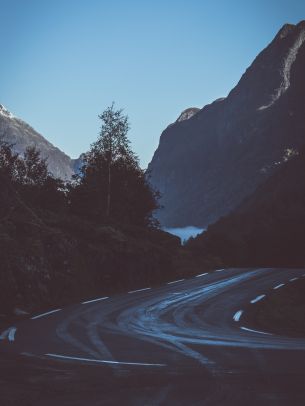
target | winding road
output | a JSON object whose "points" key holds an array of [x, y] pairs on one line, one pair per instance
{"points": [[194, 333]]}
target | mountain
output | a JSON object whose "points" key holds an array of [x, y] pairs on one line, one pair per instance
{"points": [[267, 229], [187, 114], [206, 164], [18, 133]]}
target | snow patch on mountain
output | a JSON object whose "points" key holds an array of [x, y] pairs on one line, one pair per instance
{"points": [[5, 112]]}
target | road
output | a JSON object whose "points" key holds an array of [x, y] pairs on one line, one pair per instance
{"points": [[188, 342]]}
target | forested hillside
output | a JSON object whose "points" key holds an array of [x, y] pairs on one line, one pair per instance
{"points": [[268, 229], [62, 242]]}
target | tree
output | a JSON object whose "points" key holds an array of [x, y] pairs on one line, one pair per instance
{"points": [[30, 169], [10, 162], [112, 145], [111, 184], [35, 167], [30, 178]]}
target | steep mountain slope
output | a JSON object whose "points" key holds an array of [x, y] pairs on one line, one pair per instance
{"points": [[205, 165], [268, 229], [21, 135]]}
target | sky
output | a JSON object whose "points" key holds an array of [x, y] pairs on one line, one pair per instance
{"points": [[64, 61]]}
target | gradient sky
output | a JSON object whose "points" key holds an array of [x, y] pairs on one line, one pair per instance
{"points": [[63, 62]]}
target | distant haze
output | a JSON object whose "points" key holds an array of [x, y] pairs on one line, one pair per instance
{"points": [[185, 233]]}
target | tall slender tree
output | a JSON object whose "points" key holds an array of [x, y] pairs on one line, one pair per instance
{"points": [[112, 144], [111, 185]]}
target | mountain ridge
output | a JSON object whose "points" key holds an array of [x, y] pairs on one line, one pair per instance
{"points": [[206, 165], [21, 135]]}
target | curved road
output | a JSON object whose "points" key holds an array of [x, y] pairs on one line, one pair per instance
{"points": [[191, 337]]}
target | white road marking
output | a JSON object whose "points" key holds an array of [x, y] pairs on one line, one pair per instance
{"points": [[202, 274], [237, 315], [219, 270], [255, 331], [4, 334], [279, 286], [27, 354], [293, 279], [258, 298], [103, 361], [45, 314], [9, 334], [180, 280], [95, 300], [138, 290]]}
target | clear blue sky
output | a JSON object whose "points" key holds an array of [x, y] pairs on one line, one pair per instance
{"points": [[63, 62]]}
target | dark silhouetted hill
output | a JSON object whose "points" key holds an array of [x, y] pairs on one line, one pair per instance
{"points": [[268, 229]]}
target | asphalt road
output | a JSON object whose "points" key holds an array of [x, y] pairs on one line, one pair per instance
{"points": [[188, 342]]}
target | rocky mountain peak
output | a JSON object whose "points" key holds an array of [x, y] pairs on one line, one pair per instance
{"points": [[289, 29], [188, 113], [284, 31], [294, 36], [21, 135], [5, 112]]}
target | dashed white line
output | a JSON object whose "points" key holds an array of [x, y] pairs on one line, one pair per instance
{"points": [[237, 315], [9, 334], [293, 279], [103, 361], [139, 290], [219, 270], [202, 274], [45, 314], [279, 286], [255, 331], [258, 298], [170, 283], [95, 300], [4, 334]]}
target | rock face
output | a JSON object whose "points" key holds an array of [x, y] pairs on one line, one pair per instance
{"points": [[207, 163], [188, 113], [21, 135]]}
